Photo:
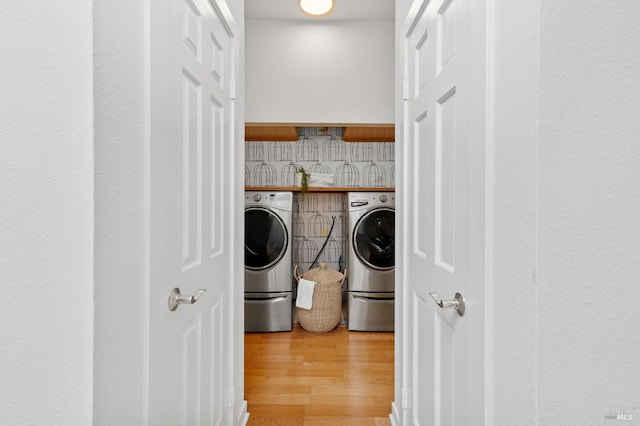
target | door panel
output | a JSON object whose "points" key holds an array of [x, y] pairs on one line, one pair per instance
{"points": [[422, 151], [217, 366], [424, 392], [191, 188], [191, 368], [445, 196], [445, 174], [190, 174]]}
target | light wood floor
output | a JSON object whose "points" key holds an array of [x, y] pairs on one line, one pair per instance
{"points": [[336, 378]]}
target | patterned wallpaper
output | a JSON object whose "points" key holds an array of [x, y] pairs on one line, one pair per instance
{"points": [[320, 150], [315, 215], [352, 164]]}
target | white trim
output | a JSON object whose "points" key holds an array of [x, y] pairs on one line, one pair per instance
{"points": [[221, 9], [394, 417], [235, 292], [489, 213], [146, 321], [243, 417]]}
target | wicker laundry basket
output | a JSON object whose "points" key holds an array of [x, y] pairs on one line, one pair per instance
{"points": [[326, 308]]}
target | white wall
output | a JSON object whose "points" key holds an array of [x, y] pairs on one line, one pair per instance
{"points": [[46, 213], [588, 210], [513, 119], [567, 212], [319, 72], [119, 212]]}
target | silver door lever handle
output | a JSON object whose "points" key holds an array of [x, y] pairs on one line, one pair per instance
{"points": [[456, 303], [176, 298]]}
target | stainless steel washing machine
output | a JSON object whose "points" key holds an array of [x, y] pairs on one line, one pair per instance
{"points": [[371, 283], [268, 280]]}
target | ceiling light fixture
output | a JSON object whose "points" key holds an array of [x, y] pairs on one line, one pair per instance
{"points": [[316, 7]]}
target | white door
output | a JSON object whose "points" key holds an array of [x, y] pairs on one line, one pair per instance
{"points": [[192, 62], [444, 202]]}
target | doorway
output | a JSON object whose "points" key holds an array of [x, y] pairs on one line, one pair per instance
{"points": [[441, 203], [353, 164], [292, 375]]}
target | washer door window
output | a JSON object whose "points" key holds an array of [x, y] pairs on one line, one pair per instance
{"points": [[265, 238], [374, 239]]}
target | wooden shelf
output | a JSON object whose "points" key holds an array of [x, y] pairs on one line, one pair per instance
{"points": [[369, 134], [317, 189], [264, 133]]}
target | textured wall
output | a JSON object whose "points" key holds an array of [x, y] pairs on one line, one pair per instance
{"points": [[588, 211], [512, 335], [119, 212], [46, 212], [566, 209]]}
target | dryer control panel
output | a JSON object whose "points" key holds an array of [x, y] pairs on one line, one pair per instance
{"points": [[277, 200]]}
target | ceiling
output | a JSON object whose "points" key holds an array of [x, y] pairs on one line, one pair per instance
{"points": [[343, 10]]}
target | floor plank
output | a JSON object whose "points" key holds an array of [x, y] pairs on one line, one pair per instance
{"points": [[336, 378]]}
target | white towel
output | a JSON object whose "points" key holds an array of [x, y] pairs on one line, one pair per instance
{"points": [[305, 293], [321, 179]]}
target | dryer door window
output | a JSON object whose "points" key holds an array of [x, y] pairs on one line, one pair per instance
{"points": [[265, 238], [374, 239]]}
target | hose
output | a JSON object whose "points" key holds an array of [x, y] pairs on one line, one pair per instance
{"points": [[333, 218]]}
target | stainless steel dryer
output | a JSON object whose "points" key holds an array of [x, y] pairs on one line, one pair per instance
{"points": [[371, 283], [267, 261]]}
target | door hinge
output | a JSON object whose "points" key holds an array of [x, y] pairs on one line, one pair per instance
{"points": [[404, 399], [232, 89], [405, 90], [232, 397]]}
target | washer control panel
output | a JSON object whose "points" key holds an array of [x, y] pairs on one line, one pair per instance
{"points": [[359, 200]]}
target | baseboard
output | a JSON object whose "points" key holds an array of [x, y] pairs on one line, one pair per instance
{"points": [[394, 416], [243, 418]]}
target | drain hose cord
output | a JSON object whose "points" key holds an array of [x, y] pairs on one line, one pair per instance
{"points": [[333, 218]]}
